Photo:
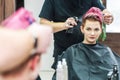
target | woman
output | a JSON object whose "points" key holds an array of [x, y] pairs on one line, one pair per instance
{"points": [[89, 60]]}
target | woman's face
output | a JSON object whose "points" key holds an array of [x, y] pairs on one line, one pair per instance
{"points": [[91, 31]]}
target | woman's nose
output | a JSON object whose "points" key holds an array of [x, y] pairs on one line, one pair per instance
{"points": [[92, 33]]}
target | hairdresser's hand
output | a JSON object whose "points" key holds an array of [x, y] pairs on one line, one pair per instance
{"points": [[108, 19], [43, 34], [107, 16], [70, 22]]}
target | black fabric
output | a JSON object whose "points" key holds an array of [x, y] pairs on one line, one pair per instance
{"points": [[88, 62], [38, 78], [59, 11]]}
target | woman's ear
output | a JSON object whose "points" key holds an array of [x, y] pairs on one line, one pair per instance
{"points": [[82, 29]]}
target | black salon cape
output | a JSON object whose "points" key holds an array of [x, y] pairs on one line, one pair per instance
{"points": [[88, 62]]}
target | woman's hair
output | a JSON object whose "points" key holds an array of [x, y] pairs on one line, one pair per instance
{"points": [[93, 14]]}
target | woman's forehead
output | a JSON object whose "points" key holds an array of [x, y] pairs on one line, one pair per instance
{"points": [[92, 24]]}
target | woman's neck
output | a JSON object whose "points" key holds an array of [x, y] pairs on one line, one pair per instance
{"points": [[89, 43]]}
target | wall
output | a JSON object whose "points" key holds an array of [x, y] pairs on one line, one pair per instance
{"points": [[34, 6], [114, 8]]}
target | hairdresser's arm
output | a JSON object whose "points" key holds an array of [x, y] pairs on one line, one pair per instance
{"points": [[59, 26]]}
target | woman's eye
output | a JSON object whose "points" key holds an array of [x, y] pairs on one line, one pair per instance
{"points": [[96, 29], [88, 29]]}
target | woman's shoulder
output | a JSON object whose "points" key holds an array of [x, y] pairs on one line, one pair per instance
{"points": [[102, 45], [75, 46]]}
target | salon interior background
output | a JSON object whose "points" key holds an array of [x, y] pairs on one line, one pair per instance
{"points": [[113, 30]]}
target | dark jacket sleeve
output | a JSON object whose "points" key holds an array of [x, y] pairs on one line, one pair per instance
{"points": [[47, 10], [97, 3]]}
